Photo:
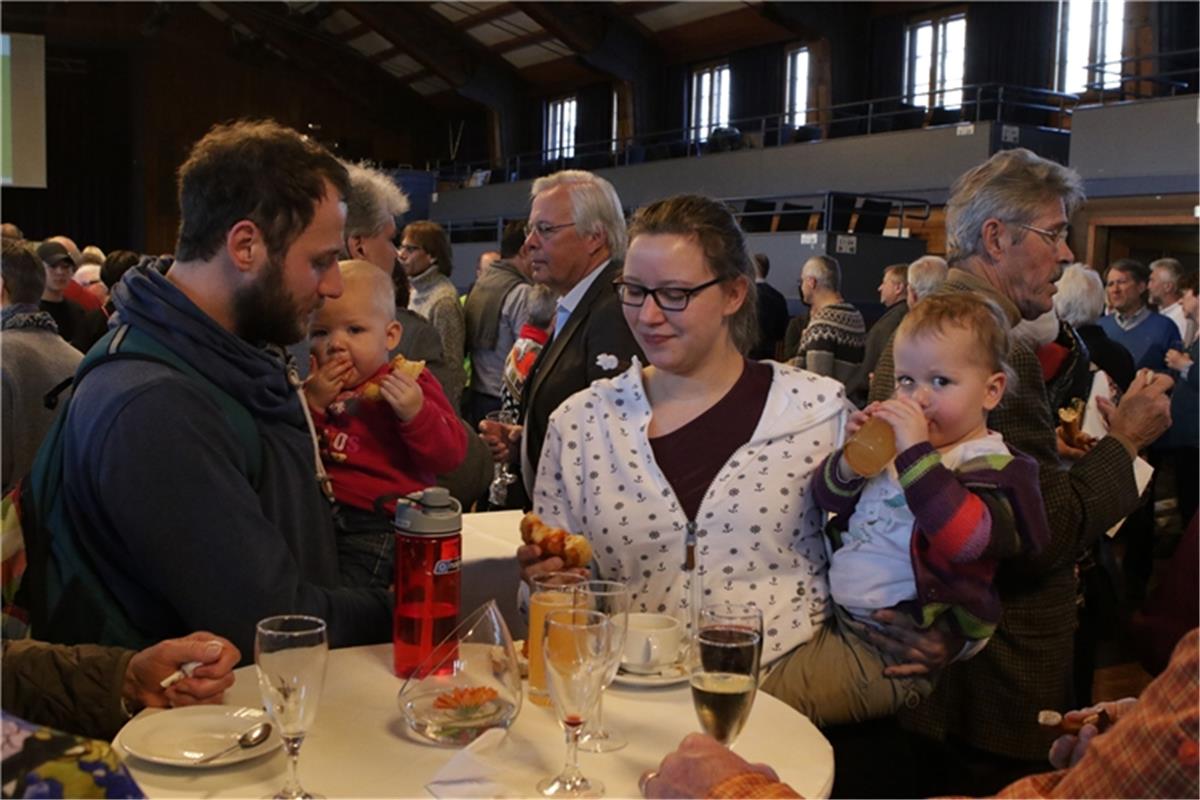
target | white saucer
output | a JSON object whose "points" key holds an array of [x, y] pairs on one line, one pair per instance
{"points": [[667, 676], [178, 737]]}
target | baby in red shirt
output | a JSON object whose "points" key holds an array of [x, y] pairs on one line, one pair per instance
{"points": [[384, 433]]}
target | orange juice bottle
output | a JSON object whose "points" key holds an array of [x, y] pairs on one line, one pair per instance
{"points": [[871, 448]]}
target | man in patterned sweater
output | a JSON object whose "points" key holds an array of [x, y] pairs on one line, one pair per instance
{"points": [[833, 342], [1007, 227]]}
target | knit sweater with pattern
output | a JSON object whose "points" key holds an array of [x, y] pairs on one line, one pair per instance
{"points": [[833, 342]]}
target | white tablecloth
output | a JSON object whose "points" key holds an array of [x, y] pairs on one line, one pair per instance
{"points": [[359, 746]]}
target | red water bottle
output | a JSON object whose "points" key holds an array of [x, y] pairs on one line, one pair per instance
{"points": [[428, 560]]}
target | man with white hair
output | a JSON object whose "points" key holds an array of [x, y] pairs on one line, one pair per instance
{"points": [[833, 342], [1164, 291], [1079, 302], [925, 275], [576, 243], [372, 206]]}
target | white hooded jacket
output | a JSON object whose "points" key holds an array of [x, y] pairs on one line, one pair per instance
{"points": [[758, 533]]}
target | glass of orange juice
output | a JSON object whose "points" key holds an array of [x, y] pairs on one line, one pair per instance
{"points": [[871, 448], [555, 590]]}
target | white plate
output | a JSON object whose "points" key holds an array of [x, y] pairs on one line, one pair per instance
{"points": [[179, 737], [667, 676]]}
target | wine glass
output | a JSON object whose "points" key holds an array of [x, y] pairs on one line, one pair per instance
{"points": [[502, 476], [723, 668], [576, 651], [290, 652], [610, 598]]}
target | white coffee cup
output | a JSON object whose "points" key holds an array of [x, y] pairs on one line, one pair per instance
{"points": [[652, 642]]}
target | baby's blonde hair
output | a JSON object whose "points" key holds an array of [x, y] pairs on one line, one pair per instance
{"points": [[967, 311], [377, 284]]}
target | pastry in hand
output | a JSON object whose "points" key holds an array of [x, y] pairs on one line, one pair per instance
{"points": [[573, 549], [1071, 418], [371, 391]]}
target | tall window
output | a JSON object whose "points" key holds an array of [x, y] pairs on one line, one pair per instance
{"points": [[1090, 32], [797, 86], [614, 120], [560, 128], [934, 62], [710, 100]]}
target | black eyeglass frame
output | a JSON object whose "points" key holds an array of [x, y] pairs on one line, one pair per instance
{"points": [[688, 292]]}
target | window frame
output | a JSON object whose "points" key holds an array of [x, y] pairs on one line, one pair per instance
{"points": [[1098, 42], [559, 117], [935, 90], [713, 70], [792, 109]]}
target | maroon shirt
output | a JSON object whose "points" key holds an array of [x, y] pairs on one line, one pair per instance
{"points": [[691, 456]]}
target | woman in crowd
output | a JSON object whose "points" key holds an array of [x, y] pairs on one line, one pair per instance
{"points": [[690, 475], [425, 254]]}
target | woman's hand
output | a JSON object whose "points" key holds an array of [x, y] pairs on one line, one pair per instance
{"points": [[534, 564], [502, 439]]}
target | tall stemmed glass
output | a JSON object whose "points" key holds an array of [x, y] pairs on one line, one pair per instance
{"points": [[576, 650], [723, 666], [502, 476], [290, 652], [610, 598]]}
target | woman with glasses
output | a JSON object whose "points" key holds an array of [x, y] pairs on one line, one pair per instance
{"points": [[690, 474], [425, 254]]}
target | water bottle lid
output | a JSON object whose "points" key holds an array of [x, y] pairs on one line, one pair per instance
{"points": [[429, 512]]}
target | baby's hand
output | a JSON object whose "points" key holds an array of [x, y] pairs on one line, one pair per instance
{"points": [[326, 381], [858, 418], [907, 420], [403, 394]]}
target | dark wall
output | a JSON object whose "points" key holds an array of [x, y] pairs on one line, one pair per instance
{"points": [[89, 154]]}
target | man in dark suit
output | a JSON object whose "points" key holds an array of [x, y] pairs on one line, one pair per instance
{"points": [[893, 290], [576, 242], [1006, 230], [772, 312]]}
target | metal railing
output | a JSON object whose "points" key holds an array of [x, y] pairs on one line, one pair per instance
{"points": [[990, 101], [835, 212]]}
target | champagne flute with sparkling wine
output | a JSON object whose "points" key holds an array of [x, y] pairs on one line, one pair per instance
{"points": [[723, 666], [575, 649], [290, 652]]}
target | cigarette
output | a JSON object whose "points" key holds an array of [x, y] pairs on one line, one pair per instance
{"points": [[1055, 720], [184, 671], [1149, 377]]}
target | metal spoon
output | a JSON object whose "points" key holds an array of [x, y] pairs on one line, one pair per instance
{"points": [[250, 738]]}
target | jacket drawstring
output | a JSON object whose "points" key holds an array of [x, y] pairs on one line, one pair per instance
{"points": [[323, 479]]}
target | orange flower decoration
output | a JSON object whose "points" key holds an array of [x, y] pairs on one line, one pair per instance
{"points": [[465, 697]]}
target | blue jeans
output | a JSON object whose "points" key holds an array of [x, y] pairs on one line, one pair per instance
{"points": [[366, 545]]}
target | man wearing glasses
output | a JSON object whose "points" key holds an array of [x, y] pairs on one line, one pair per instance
{"points": [[1006, 231], [576, 243]]}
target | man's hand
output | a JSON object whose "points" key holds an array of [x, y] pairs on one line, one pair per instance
{"points": [[148, 668], [1069, 451], [923, 651], [326, 381], [1178, 360], [699, 764], [907, 420], [403, 394], [1067, 750], [1144, 413], [500, 438]]}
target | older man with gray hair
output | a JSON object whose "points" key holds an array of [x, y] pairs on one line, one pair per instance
{"points": [[833, 342], [1165, 293], [372, 206], [925, 275], [576, 243], [1007, 228]]}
